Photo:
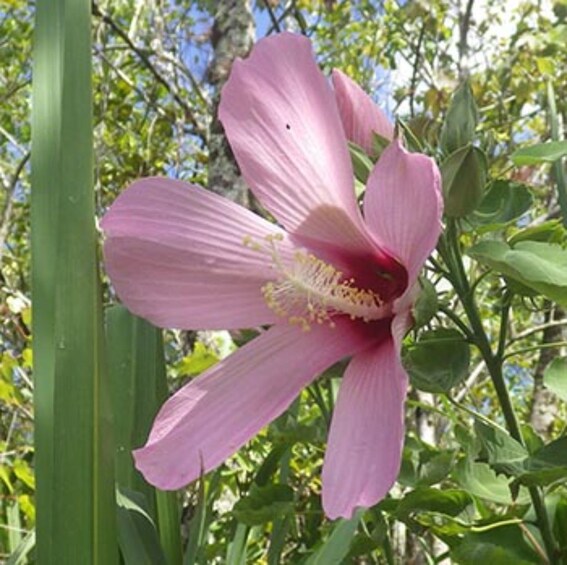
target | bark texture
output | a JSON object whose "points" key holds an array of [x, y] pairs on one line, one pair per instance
{"points": [[232, 36], [545, 410]]}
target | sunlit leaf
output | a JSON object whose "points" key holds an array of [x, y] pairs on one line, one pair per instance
{"points": [[480, 480], [499, 546], [540, 266], [540, 153]]}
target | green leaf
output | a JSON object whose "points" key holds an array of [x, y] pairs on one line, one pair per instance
{"points": [[200, 359], [336, 547], [411, 141], [464, 175], [504, 453], [438, 361], [540, 153], [137, 535], [203, 515], [447, 501], [548, 464], [532, 440], [426, 305], [435, 469], [425, 129], [196, 526], [5, 478], [555, 377], [137, 370], [480, 480], [76, 513], [361, 162], [500, 546], [23, 472], [543, 477], [271, 463], [503, 202], [14, 525], [542, 267], [236, 553], [560, 522], [461, 119], [551, 231], [379, 143], [264, 504], [21, 555], [361, 545]]}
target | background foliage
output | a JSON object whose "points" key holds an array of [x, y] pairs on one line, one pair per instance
{"points": [[158, 67]]}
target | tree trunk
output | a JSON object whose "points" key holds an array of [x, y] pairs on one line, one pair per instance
{"points": [[233, 36], [544, 410]]}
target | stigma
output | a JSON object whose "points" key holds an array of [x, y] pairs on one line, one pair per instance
{"points": [[308, 290]]}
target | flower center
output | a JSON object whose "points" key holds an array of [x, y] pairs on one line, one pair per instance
{"points": [[308, 290]]}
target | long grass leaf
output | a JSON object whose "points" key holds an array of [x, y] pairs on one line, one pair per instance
{"points": [[137, 370], [74, 452], [21, 555], [334, 550]]}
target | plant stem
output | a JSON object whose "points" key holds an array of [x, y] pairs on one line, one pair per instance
{"points": [[494, 366], [457, 321]]}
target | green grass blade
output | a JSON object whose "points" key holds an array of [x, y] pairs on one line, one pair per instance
{"points": [[21, 555], [138, 538], [209, 491], [282, 525], [558, 169], [236, 553], [137, 370], [74, 452], [197, 527], [334, 550], [14, 525]]}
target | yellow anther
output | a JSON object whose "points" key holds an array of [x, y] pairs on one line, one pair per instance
{"points": [[247, 241], [308, 290]]}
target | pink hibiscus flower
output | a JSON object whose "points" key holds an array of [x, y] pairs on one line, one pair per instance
{"points": [[331, 282]]}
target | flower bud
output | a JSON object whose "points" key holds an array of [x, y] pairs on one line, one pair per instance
{"points": [[464, 178], [461, 119]]}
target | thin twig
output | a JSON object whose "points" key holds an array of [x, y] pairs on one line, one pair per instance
{"points": [[476, 372], [554, 344], [189, 114], [536, 329], [127, 80], [416, 65], [273, 19], [9, 203], [464, 26]]}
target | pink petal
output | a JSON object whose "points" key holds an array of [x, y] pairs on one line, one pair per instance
{"points": [[175, 255], [214, 415], [359, 114], [403, 319], [403, 205], [367, 432], [282, 122]]}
